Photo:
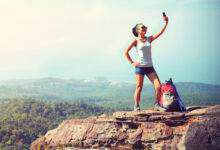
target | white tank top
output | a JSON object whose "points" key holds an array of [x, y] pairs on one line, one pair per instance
{"points": [[144, 53]]}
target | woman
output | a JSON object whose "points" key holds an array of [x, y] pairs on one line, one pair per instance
{"points": [[144, 63]]}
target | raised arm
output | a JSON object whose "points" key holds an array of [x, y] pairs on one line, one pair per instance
{"points": [[155, 36], [126, 53]]}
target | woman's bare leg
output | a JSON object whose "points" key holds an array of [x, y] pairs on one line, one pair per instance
{"points": [[156, 82], [139, 85]]}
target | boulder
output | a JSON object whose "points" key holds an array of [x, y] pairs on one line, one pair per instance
{"points": [[197, 128]]}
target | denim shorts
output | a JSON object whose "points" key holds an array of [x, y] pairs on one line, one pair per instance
{"points": [[144, 70]]}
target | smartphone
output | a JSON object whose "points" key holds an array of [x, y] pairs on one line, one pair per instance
{"points": [[164, 14]]}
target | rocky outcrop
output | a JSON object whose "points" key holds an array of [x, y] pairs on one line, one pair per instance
{"points": [[198, 128]]}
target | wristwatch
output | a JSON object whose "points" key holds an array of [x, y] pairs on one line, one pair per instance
{"points": [[131, 62]]}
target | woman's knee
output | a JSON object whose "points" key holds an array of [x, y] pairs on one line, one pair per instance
{"points": [[139, 87], [157, 85]]}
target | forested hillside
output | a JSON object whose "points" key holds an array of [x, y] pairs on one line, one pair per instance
{"points": [[22, 121], [102, 91], [29, 108]]}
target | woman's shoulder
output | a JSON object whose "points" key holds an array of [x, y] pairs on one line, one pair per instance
{"points": [[149, 38], [134, 41]]}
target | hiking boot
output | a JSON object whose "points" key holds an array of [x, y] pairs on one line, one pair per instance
{"points": [[137, 108]]}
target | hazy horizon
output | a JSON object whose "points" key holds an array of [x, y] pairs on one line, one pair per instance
{"points": [[99, 78], [86, 39]]}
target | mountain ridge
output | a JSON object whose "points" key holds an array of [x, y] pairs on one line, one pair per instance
{"points": [[89, 79], [102, 91]]}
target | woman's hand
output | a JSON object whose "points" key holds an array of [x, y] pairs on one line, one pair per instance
{"points": [[135, 63], [165, 19]]}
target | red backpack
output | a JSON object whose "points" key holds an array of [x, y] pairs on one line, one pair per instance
{"points": [[170, 99]]}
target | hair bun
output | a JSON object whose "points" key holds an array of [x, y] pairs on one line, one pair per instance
{"points": [[134, 31]]}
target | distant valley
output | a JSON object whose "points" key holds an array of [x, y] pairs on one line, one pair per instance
{"points": [[102, 91]]}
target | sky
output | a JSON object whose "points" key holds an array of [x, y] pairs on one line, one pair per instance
{"points": [[87, 39]]}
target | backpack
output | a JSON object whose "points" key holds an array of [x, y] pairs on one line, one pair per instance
{"points": [[170, 99]]}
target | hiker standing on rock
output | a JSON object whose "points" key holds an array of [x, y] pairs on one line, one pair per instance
{"points": [[144, 64]]}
